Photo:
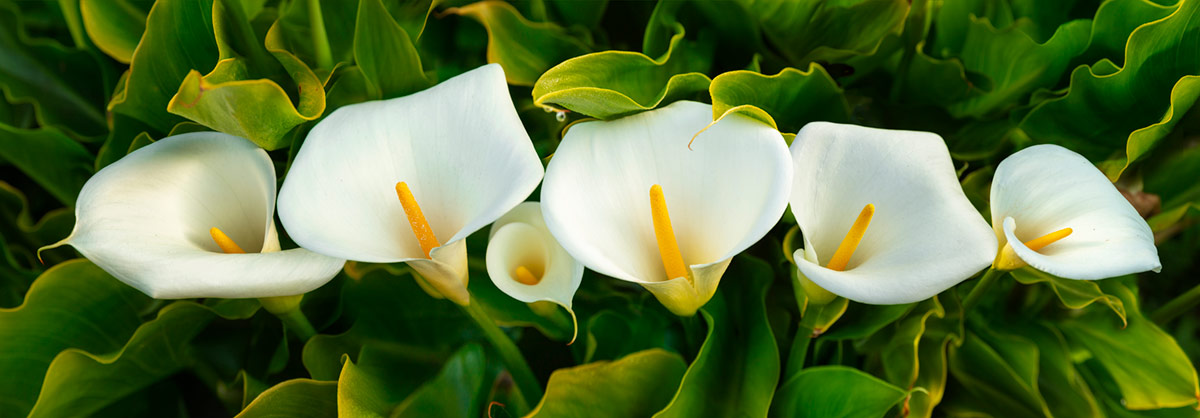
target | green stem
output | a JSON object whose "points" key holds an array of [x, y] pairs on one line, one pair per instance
{"points": [[985, 283], [319, 39], [799, 351], [298, 323], [1178, 306], [530, 389]]}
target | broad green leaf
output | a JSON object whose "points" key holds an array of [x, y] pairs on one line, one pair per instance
{"points": [[65, 86], [611, 334], [453, 393], [50, 158], [1074, 294], [1065, 391], [385, 53], [79, 382], [178, 39], [636, 385], [835, 391], [71, 305], [292, 31], [786, 101], [612, 84], [862, 320], [1094, 118], [999, 372], [827, 30], [737, 368], [1115, 20], [914, 354], [295, 398], [115, 26], [25, 235], [1147, 364], [584, 13], [525, 49]]}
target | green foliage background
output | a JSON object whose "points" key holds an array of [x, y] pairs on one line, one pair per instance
{"points": [[87, 81]]}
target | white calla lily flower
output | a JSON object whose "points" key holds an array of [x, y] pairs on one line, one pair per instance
{"points": [[528, 264], [160, 220], [1053, 210], [610, 184], [408, 179], [915, 234]]}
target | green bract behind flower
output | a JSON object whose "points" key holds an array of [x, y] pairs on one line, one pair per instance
{"points": [[408, 179], [629, 199], [146, 219], [923, 235], [1053, 210]]}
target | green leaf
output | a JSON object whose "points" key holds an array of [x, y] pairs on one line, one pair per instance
{"points": [[786, 101], [115, 26], [737, 368], [835, 391], [611, 334], [611, 84], [385, 53], [1094, 118], [827, 30], [453, 393], [71, 305], [1074, 294], [1065, 391], [79, 383], [525, 49], [65, 86], [999, 371], [510, 312], [178, 39], [295, 398], [1148, 365], [50, 158], [636, 385]]}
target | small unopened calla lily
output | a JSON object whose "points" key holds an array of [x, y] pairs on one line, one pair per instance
{"points": [[526, 262], [883, 216], [629, 199], [408, 179], [192, 216], [1053, 210]]}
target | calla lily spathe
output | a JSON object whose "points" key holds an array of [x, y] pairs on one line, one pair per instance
{"points": [[146, 219], [712, 202], [455, 153], [1047, 188], [527, 263], [923, 237]]}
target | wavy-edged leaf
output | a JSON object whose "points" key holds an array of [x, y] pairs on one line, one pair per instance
{"points": [[1148, 365], [611, 84], [66, 86], [1095, 119], [525, 49], [71, 305], [1074, 294], [737, 368], [79, 382], [295, 398], [385, 53], [835, 391], [455, 392], [786, 101], [827, 30], [115, 26], [178, 39], [49, 157], [636, 385]]}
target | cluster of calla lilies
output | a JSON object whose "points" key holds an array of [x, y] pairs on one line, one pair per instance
{"points": [[642, 198]]}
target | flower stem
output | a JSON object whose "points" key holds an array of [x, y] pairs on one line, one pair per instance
{"points": [[985, 283], [319, 39], [1178, 306], [287, 309], [530, 389]]}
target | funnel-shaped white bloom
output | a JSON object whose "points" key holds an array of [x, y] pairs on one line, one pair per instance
{"points": [[526, 262], [1047, 188], [924, 236], [146, 219], [722, 196], [460, 148]]}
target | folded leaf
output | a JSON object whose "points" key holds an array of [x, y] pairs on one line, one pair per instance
{"points": [[835, 391], [525, 49], [636, 385]]}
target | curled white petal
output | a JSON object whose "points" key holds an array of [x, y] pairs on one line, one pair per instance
{"points": [[520, 238], [145, 219], [459, 146], [924, 237], [723, 194], [1045, 188]]}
